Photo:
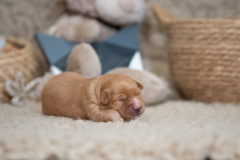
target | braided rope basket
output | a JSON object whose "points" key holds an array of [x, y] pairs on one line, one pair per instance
{"points": [[24, 59], [204, 56]]}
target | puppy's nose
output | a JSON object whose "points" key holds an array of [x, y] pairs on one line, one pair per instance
{"points": [[136, 106], [138, 110]]}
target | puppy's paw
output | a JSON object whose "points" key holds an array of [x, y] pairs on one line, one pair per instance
{"points": [[115, 116]]}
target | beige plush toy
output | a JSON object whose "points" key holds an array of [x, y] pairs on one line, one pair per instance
{"points": [[155, 89], [84, 60], [80, 29], [114, 12]]}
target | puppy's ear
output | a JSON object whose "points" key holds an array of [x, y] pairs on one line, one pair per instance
{"points": [[104, 97], [139, 85]]}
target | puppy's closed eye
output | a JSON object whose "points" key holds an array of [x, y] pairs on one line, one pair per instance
{"points": [[122, 98]]}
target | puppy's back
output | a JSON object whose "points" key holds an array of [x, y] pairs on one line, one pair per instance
{"points": [[60, 96]]}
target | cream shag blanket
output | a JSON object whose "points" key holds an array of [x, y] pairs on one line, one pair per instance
{"points": [[173, 130]]}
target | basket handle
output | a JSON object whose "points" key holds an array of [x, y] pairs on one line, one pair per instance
{"points": [[164, 16]]}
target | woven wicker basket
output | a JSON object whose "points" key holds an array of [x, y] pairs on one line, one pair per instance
{"points": [[204, 56], [25, 59]]}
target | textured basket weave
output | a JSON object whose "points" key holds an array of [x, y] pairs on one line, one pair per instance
{"points": [[25, 59], [204, 57]]}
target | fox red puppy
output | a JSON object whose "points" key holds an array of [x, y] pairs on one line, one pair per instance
{"points": [[111, 97]]}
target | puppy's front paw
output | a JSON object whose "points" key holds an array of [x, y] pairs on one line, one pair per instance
{"points": [[115, 116]]}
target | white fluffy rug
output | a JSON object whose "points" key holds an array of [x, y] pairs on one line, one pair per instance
{"points": [[173, 130]]}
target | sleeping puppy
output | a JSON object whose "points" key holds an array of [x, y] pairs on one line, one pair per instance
{"points": [[111, 97]]}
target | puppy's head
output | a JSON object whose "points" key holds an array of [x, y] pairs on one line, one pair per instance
{"points": [[122, 94]]}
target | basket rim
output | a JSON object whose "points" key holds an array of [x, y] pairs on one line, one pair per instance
{"points": [[203, 21], [167, 19], [26, 46]]}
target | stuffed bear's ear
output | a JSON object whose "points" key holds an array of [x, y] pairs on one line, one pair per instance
{"points": [[139, 85], [104, 97]]}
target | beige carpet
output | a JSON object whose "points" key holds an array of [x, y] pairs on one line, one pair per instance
{"points": [[173, 130]]}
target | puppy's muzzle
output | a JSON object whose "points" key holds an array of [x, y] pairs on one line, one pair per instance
{"points": [[134, 109], [136, 106]]}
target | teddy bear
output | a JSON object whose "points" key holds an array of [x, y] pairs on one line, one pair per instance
{"points": [[93, 20]]}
